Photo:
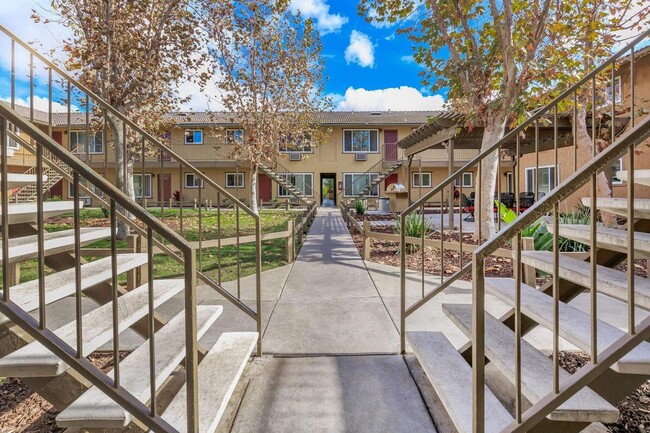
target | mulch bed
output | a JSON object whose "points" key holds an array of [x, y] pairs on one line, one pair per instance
{"points": [[24, 411], [634, 409]]}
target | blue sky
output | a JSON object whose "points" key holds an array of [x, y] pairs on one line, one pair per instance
{"points": [[369, 66]]}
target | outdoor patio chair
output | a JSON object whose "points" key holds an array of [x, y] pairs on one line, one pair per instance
{"points": [[467, 205], [526, 200]]}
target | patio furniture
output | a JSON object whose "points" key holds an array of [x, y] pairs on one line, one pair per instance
{"points": [[467, 205]]}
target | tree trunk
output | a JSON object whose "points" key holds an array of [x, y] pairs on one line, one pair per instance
{"points": [[585, 153], [254, 206], [486, 183], [123, 181]]}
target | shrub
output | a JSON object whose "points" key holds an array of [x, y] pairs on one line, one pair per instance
{"points": [[414, 226], [54, 198], [359, 207]]}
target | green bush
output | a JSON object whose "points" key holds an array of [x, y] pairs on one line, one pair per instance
{"points": [[359, 207], [414, 226]]}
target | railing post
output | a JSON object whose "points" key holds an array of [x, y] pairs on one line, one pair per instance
{"points": [[366, 240], [291, 241], [530, 273], [131, 276], [191, 351]]}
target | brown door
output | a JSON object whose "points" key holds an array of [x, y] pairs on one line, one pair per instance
{"points": [[390, 179], [390, 145], [264, 186], [165, 188]]}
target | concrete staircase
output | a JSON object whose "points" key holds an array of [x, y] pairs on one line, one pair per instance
{"points": [[279, 179], [87, 407], [451, 376], [387, 171]]}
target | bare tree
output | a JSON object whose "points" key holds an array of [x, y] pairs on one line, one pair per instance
{"points": [[270, 72]]}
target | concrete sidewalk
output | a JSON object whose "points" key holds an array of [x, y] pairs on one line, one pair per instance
{"points": [[329, 304]]}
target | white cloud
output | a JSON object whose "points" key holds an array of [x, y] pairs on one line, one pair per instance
{"points": [[319, 10], [361, 50], [408, 59], [41, 103], [391, 36], [394, 98], [16, 16]]}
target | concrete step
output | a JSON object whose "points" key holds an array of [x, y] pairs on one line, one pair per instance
{"points": [[219, 373], [18, 180], [62, 284], [575, 326], [20, 213], [610, 281], [618, 206], [93, 409], [34, 360], [606, 238], [26, 247], [536, 369], [451, 378], [610, 310], [641, 177]]}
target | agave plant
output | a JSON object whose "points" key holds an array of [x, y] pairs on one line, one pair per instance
{"points": [[414, 226]]}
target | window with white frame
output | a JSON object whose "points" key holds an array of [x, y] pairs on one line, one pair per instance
{"points": [[138, 185], [82, 192], [78, 142], [11, 143], [618, 95], [426, 180], [546, 178], [616, 167], [467, 178], [235, 180], [301, 143], [234, 136], [303, 182], [355, 183], [360, 141], [192, 181], [193, 136]]}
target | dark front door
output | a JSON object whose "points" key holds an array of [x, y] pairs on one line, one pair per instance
{"points": [[265, 187], [390, 145], [165, 187], [328, 189]]}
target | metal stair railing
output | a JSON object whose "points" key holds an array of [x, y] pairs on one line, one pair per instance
{"points": [[515, 142], [291, 182], [626, 144], [37, 327], [96, 111], [379, 170]]}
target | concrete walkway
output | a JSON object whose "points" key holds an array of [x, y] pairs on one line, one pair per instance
{"points": [[329, 304]]}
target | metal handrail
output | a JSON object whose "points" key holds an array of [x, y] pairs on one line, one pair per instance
{"points": [[527, 123], [132, 125], [35, 327]]}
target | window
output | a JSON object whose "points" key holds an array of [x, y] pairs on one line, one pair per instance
{"points": [[617, 166], [468, 180], [426, 180], [234, 136], [82, 193], [11, 143], [192, 181], [618, 95], [78, 142], [137, 185], [546, 178], [360, 141], [235, 180], [510, 186], [301, 144], [355, 183], [303, 182], [193, 136]]}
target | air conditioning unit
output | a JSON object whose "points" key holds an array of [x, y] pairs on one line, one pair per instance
{"points": [[361, 157], [87, 201], [295, 157]]}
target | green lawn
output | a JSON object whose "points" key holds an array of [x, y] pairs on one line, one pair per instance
{"points": [[217, 265]]}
